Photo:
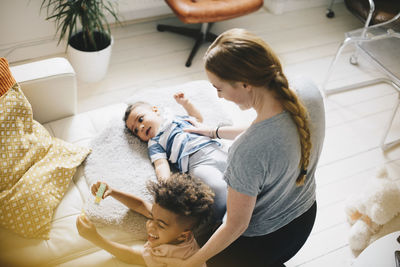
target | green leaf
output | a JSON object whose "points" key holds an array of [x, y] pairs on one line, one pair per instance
{"points": [[89, 14]]}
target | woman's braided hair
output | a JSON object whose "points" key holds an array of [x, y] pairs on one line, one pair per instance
{"points": [[240, 56]]}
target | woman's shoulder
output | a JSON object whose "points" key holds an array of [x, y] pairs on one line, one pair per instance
{"points": [[311, 96], [306, 88], [255, 139], [309, 93]]}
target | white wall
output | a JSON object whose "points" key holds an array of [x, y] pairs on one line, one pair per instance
{"points": [[25, 34]]}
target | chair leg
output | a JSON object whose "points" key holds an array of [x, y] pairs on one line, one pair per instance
{"points": [[179, 30], [331, 67], [210, 37], [203, 36], [196, 46], [200, 36], [354, 57], [329, 12]]}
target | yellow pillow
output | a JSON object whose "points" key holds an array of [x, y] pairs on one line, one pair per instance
{"points": [[35, 168], [6, 78]]}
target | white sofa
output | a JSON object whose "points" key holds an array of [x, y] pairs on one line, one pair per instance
{"points": [[50, 86]]}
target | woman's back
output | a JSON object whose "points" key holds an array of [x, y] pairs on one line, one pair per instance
{"points": [[264, 162]]}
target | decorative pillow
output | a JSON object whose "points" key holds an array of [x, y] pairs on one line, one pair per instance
{"points": [[35, 168], [6, 78]]}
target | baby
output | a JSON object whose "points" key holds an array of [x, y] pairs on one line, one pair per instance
{"points": [[180, 205], [169, 142]]}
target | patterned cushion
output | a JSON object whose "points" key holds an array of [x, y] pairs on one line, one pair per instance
{"points": [[35, 168], [6, 78]]}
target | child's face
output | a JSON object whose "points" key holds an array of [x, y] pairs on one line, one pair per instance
{"points": [[164, 228], [144, 122]]}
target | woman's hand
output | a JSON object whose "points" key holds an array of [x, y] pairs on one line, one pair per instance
{"points": [[200, 128], [96, 186], [86, 228], [180, 98]]}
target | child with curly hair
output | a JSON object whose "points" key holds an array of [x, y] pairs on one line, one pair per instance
{"points": [[180, 206]]}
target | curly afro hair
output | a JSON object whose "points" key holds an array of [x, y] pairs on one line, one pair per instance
{"points": [[185, 196]]}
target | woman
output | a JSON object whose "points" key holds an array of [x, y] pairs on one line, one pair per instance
{"points": [[271, 204]]}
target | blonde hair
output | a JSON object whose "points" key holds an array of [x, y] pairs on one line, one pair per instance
{"points": [[240, 56]]}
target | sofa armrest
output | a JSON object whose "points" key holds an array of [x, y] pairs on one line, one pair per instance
{"points": [[50, 87]]}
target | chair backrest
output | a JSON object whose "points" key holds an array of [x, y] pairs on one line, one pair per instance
{"points": [[205, 11], [373, 11]]}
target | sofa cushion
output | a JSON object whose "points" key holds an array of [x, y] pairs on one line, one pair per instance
{"points": [[35, 171]]}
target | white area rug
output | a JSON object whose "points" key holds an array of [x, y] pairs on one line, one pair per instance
{"points": [[121, 160]]}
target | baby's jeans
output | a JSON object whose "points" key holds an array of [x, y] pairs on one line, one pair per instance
{"points": [[208, 164]]}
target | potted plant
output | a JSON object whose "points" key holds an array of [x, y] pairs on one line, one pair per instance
{"points": [[84, 24]]}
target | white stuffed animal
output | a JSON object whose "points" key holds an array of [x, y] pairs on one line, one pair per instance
{"points": [[375, 212]]}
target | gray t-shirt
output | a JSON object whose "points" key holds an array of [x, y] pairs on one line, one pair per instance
{"points": [[264, 162]]}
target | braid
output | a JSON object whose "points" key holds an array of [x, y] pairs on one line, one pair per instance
{"points": [[299, 114]]}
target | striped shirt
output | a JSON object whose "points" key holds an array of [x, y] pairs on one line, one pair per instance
{"points": [[176, 145]]}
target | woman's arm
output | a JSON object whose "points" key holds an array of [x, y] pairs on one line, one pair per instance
{"points": [[224, 132], [239, 210], [162, 169], [123, 252], [131, 201], [229, 132]]}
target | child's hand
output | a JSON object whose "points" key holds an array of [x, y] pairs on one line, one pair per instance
{"points": [[86, 228], [180, 98], [96, 186]]}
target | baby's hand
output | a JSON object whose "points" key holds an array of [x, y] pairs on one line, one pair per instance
{"points": [[180, 98], [86, 228], [96, 186]]}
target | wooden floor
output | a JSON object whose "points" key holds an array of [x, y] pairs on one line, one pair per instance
{"points": [[306, 42]]}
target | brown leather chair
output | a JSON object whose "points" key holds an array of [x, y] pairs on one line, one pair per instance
{"points": [[206, 12]]}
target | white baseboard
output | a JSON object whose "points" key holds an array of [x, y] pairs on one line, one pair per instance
{"points": [[32, 49]]}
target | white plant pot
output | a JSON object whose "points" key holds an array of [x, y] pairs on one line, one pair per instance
{"points": [[90, 66]]}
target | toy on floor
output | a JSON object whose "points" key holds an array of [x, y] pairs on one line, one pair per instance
{"points": [[374, 212], [99, 194]]}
